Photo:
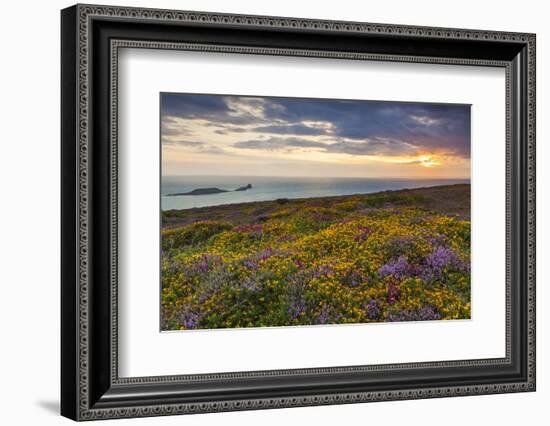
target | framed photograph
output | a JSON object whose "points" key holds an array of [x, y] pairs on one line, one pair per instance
{"points": [[263, 212]]}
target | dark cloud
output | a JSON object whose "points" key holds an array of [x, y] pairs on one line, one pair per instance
{"points": [[364, 127], [174, 131], [365, 147], [217, 109], [372, 147], [201, 147], [441, 127], [290, 129], [278, 144], [192, 106]]}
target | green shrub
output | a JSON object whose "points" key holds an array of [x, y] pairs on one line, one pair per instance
{"points": [[192, 234]]}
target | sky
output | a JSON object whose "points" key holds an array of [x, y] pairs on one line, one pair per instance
{"points": [[226, 135]]}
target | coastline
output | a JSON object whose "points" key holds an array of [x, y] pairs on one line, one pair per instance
{"points": [[271, 188], [446, 199]]}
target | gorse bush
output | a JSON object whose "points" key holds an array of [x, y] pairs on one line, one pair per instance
{"points": [[193, 234], [307, 264]]}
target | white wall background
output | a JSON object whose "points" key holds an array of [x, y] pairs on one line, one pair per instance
{"points": [[29, 213]]}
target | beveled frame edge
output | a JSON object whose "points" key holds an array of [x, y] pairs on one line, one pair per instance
{"points": [[75, 162]]}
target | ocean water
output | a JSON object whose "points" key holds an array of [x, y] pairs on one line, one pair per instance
{"points": [[271, 188]]}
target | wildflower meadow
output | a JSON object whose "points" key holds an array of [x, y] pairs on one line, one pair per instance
{"points": [[386, 257]]}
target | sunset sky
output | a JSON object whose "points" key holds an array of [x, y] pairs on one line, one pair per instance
{"points": [[269, 136]]}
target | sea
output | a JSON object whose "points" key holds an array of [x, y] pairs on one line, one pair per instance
{"points": [[271, 188]]}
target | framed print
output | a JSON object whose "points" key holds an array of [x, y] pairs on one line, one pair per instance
{"points": [[263, 212], [291, 250]]}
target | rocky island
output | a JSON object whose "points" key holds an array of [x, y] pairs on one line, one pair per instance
{"points": [[208, 191], [244, 188]]}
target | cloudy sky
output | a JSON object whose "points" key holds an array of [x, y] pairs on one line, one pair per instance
{"points": [[270, 136]]}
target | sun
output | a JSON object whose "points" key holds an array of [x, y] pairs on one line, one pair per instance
{"points": [[428, 161]]}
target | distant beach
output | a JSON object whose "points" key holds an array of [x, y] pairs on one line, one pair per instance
{"points": [[272, 188]]}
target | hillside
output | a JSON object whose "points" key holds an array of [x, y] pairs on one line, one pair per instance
{"points": [[384, 257]]}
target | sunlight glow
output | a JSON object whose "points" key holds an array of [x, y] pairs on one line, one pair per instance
{"points": [[233, 135], [428, 161]]}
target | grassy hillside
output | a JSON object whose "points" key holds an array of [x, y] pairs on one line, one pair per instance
{"points": [[390, 256]]}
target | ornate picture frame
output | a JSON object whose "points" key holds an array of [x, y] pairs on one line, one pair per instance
{"points": [[91, 37]]}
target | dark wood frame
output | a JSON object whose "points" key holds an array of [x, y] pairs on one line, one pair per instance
{"points": [[90, 386]]}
